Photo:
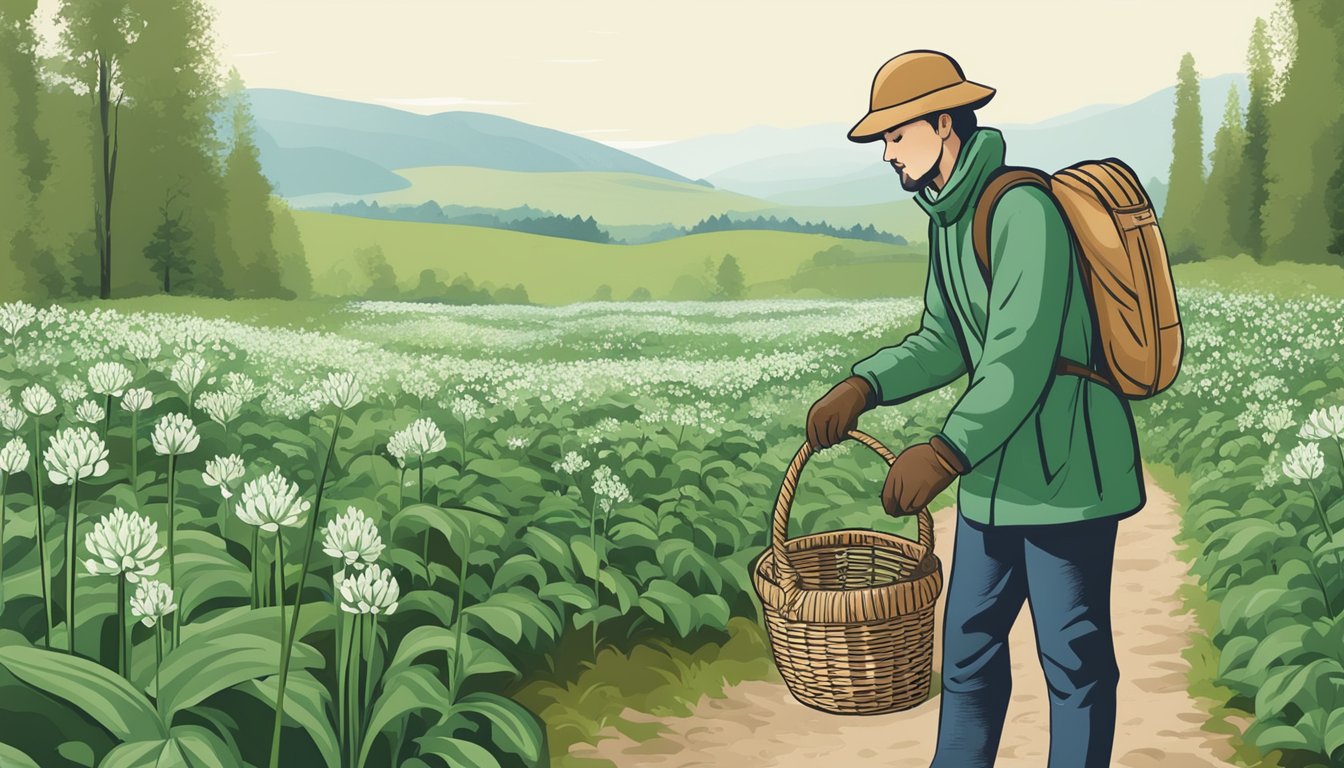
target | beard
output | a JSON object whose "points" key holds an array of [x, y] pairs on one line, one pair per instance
{"points": [[915, 185]]}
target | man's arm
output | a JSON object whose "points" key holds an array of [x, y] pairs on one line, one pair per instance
{"points": [[924, 360], [1032, 268]]}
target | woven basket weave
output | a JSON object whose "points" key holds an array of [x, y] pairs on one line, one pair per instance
{"points": [[850, 613]]}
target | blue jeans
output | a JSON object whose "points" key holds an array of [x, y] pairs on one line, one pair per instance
{"points": [[1065, 569]]}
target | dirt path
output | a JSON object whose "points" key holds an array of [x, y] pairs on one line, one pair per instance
{"points": [[1157, 723]]}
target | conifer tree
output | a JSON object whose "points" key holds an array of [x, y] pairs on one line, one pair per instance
{"points": [[1186, 183]]}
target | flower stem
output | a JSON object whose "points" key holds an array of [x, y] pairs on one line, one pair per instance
{"points": [[4, 481], [597, 570], [43, 565], [172, 551], [424, 557], [343, 640], [70, 569], [135, 454], [256, 580], [279, 601], [298, 597], [123, 653], [1325, 521], [455, 667], [158, 656]]}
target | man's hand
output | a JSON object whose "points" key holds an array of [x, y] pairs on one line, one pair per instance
{"points": [[919, 473], [837, 412]]}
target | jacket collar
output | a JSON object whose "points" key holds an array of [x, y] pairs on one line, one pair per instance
{"points": [[979, 156]]}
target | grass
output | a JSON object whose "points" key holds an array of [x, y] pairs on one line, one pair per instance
{"points": [[1285, 279], [559, 270], [658, 679]]}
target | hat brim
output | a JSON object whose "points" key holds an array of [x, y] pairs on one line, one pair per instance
{"points": [[879, 121]]}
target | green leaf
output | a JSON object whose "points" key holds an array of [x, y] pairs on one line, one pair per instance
{"points": [[410, 689], [103, 695], [9, 756], [672, 600], [202, 748], [135, 754], [584, 555], [205, 665], [513, 727], [306, 702], [498, 619], [457, 751]]}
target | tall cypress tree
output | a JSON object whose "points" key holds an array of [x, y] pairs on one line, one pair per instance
{"points": [[1248, 199], [1215, 220], [1186, 184], [250, 222], [1303, 146]]}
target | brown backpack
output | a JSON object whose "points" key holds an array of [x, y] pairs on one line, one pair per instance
{"points": [[1126, 274]]}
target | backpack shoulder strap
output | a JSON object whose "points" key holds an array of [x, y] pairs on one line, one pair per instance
{"points": [[1000, 181]]}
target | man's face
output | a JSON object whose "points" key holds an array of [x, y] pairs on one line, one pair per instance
{"points": [[914, 150]]}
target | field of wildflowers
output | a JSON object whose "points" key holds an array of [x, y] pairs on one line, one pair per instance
{"points": [[388, 525]]}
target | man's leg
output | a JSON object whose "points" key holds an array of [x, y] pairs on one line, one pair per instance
{"points": [[984, 596], [1068, 569]]}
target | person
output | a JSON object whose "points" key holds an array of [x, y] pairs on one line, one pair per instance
{"points": [[1046, 464]]}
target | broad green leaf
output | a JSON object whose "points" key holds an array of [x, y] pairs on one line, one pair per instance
{"points": [[306, 702], [202, 748], [135, 754], [102, 694], [457, 752], [9, 756], [513, 727], [205, 665], [408, 690]]}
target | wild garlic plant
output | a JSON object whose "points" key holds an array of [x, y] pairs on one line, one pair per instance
{"points": [[174, 435], [134, 401], [353, 541], [38, 402], [126, 545], [14, 458], [152, 603], [73, 454], [109, 379]]}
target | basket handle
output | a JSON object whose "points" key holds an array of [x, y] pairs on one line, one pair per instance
{"points": [[784, 571]]}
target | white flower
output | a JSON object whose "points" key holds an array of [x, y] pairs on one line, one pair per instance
{"points": [[608, 488], [188, 371], [174, 434], [153, 600], [137, 399], [419, 383], [37, 400], [372, 590], [1324, 423], [14, 457], [342, 390], [75, 453], [467, 408], [241, 385], [90, 412], [572, 464], [516, 442], [1305, 462], [73, 390], [142, 345], [271, 501], [124, 542], [224, 472], [109, 378], [11, 418], [353, 537], [15, 316], [422, 438], [222, 407], [397, 446]]}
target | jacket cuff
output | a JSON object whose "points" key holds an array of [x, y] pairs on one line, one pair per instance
{"points": [[950, 454], [874, 389]]}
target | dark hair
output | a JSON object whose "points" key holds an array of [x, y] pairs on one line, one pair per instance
{"points": [[964, 121]]}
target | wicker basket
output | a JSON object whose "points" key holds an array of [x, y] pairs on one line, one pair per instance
{"points": [[850, 613]]}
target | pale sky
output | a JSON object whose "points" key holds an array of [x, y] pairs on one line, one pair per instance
{"points": [[629, 73]]}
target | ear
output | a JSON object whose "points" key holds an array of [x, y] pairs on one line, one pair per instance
{"points": [[944, 126]]}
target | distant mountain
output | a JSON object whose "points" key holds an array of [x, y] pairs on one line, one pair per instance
{"points": [[818, 165], [314, 144]]}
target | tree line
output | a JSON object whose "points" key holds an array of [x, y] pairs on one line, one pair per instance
{"points": [[1273, 187], [128, 161]]}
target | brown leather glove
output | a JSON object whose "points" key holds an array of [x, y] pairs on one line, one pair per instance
{"points": [[919, 473], [837, 411]]}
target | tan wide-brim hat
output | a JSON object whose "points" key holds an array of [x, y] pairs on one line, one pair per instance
{"points": [[916, 83]]}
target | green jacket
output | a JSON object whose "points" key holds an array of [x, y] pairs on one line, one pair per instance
{"points": [[1041, 447]]}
